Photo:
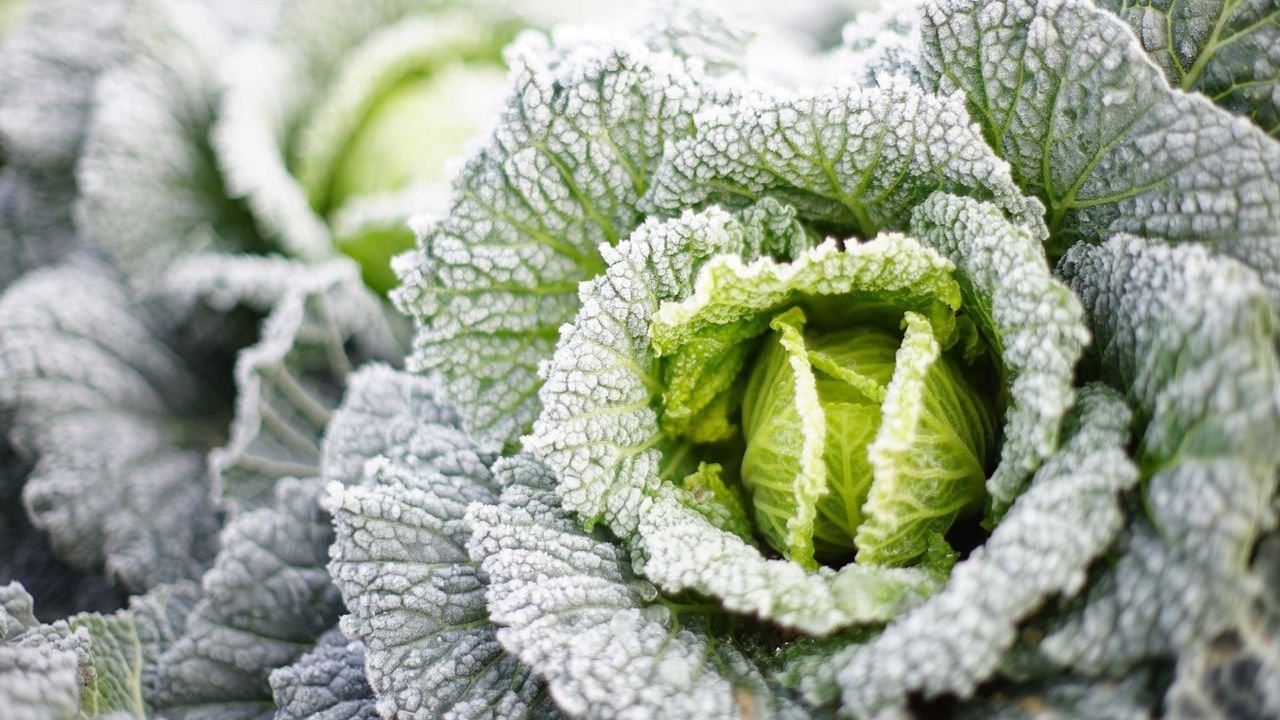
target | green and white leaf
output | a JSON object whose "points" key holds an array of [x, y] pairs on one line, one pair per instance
{"points": [[90, 665], [854, 158], [1030, 320], [1066, 94], [561, 175]]}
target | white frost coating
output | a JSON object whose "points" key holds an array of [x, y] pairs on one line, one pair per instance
{"points": [[1189, 337], [860, 158], [561, 176], [399, 557], [1128, 154], [322, 324], [89, 665], [957, 638], [100, 399], [325, 684], [39, 674], [571, 610], [47, 71], [265, 600], [1031, 319], [393, 414]]}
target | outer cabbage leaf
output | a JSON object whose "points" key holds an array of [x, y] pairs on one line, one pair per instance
{"points": [[1227, 49], [115, 422], [39, 670], [1066, 94], [1069, 516], [563, 173], [273, 555], [325, 684], [322, 323], [392, 414], [149, 188], [26, 556], [571, 609], [266, 600], [1188, 337], [416, 598], [855, 158]]}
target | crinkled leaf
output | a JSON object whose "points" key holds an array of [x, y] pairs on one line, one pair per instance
{"points": [[393, 414], [856, 158], [1227, 49], [1065, 93], [561, 175], [116, 424], [325, 684], [416, 598], [266, 600], [1188, 337], [571, 610], [1067, 518], [89, 666], [39, 673]]}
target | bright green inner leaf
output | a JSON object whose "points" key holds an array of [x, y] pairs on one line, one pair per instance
{"points": [[410, 134], [857, 406]]}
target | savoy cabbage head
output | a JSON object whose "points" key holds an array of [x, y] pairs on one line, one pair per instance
{"points": [[934, 375], [953, 384]]}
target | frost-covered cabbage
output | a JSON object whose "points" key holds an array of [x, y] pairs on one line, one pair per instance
{"points": [[798, 420], [935, 375]]}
